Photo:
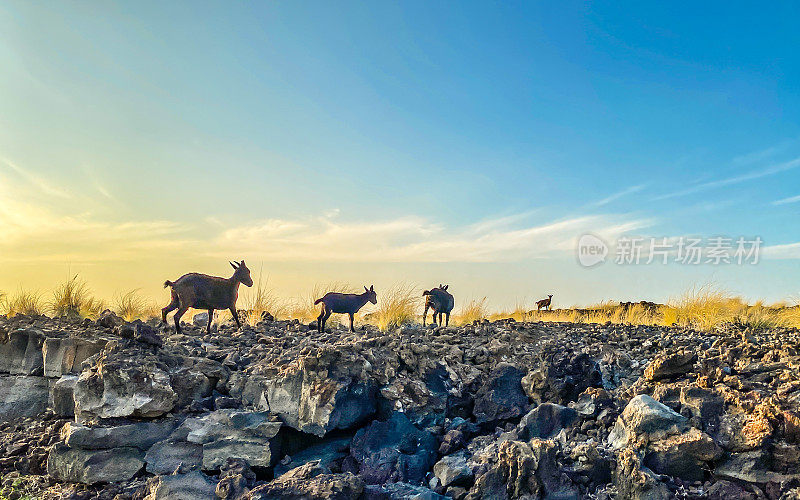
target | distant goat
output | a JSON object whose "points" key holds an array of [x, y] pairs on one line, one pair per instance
{"points": [[201, 291], [544, 303], [343, 303], [440, 300]]}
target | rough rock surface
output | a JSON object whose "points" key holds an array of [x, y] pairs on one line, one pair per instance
{"points": [[113, 410]]}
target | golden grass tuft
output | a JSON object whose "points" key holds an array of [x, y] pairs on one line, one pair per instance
{"points": [[474, 310], [397, 306], [131, 305], [73, 298], [521, 312], [261, 300], [23, 302]]}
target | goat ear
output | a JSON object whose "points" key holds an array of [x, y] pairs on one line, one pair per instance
{"points": [[242, 263], [366, 289], [232, 265], [372, 288], [445, 287]]}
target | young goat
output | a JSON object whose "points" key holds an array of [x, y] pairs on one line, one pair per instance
{"points": [[206, 292], [544, 303], [440, 300], [343, 303]]}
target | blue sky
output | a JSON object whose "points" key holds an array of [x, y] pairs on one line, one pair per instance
{"points": [[456, 141]]}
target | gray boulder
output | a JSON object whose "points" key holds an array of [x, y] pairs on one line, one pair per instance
{"points": [[21, 354], [501, 397], [393, 451], [166, 456], [636, 482], [62, 396], [647, 419], [22, 396], [94, 466], [670, 365], [124, 388], [310, 482], [192, 486], [683, 455], [233, 434], [316, 405], [400, 491], [64, 356], [545, 421], [453, 470], [141, 435], [325, 452]]}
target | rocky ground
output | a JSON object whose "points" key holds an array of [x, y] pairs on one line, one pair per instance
{"points": [[110, 409]]}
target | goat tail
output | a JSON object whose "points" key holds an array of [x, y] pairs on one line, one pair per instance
{"points": [[168, 283], [426, 292], [317, 301]]}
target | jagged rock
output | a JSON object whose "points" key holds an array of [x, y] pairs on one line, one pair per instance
{"points": [[165, 457], [232, 434], [63, 396], [751, 467], [453, 470], [22, 396], [192, 486], [316, 404], [739, 432], [310, 482], [545, 421], [21, 354], [200, 319], [235, 479], [453, 441], [400, 491], [109, 319], [704, 404], [647, 419], [727, 490], [326, 452], [121, 387], [190, 385], [64, 356], [670, 365], [393, 451], [501, 396], [683, 455], [523, 470], [94, 466], [636, 482], [562, 377], [141, 435], [591, 401]]}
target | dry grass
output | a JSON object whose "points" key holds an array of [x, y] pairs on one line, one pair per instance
{"points": [[520, 312], [398, 305], [74, 298], [23, 302], [261, 300], [474, 310], [131, 305]]}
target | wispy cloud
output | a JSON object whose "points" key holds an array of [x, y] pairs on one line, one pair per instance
{"points": [[618, 195], [785, 251], [748, 176], [784, 201], [763, 154], [416, 239], [36, 180], [36, 230]]}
